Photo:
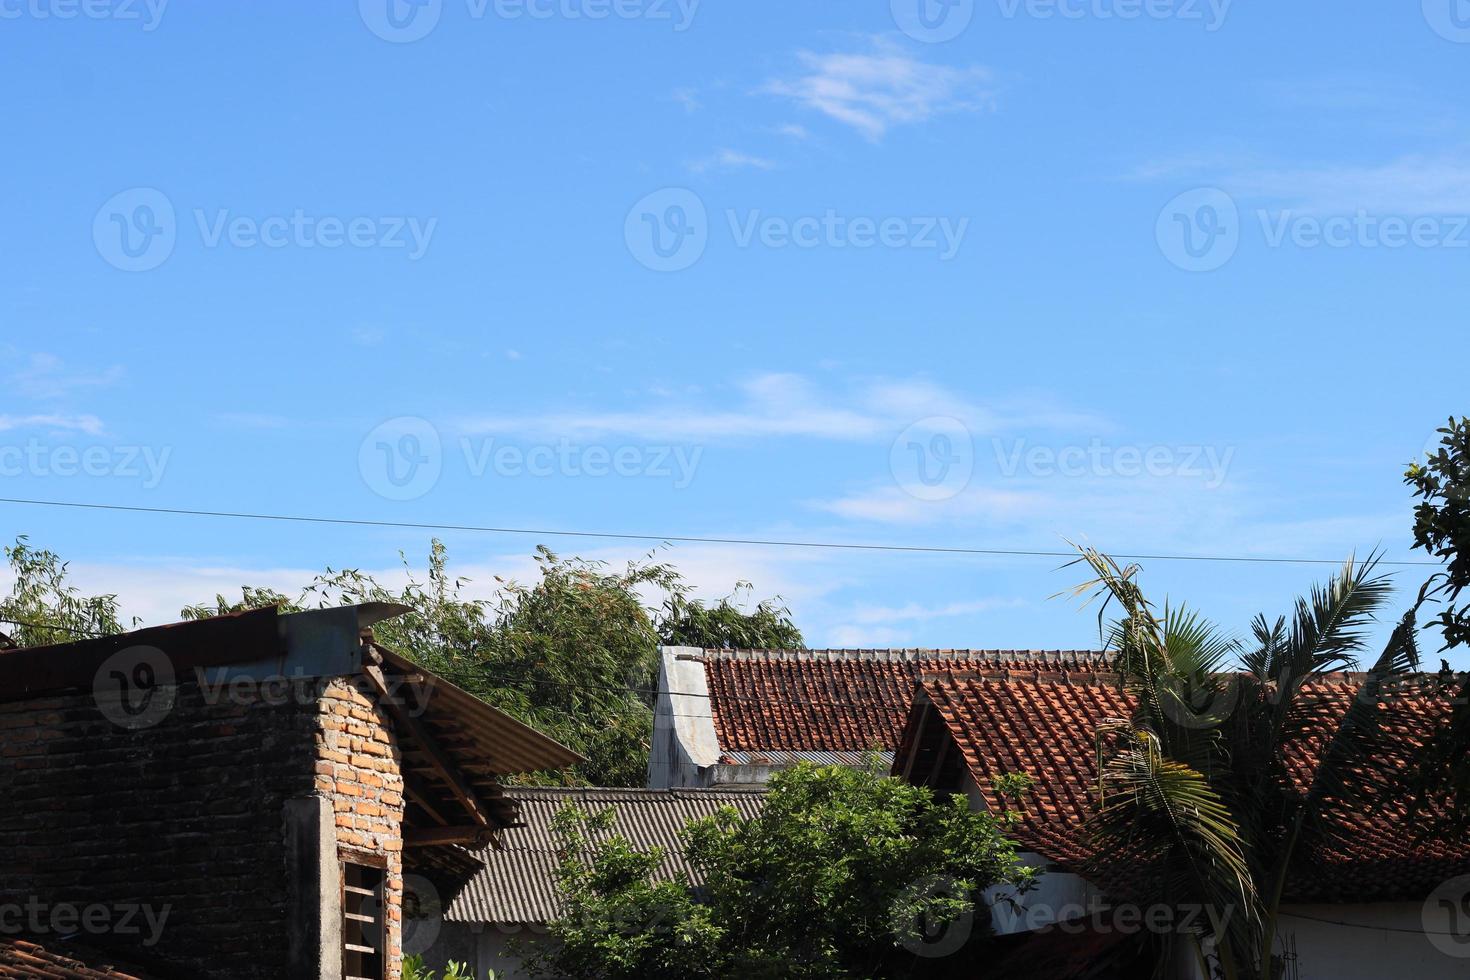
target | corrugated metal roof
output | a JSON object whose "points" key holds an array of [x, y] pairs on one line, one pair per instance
{"points": [[518, 883]]}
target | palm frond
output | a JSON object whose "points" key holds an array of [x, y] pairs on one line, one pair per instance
{"points": [[1163, 819], [1327, 631]]}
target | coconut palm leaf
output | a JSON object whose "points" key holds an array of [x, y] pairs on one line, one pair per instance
{"points": [[1166, 822]]}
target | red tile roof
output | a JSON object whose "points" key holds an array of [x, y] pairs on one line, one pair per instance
{"points": [[843, 700], [1046, 726], [20, 958]]}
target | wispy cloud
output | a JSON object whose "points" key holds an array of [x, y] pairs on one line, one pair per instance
{"points": [[89, 424], [47, 376], [915, 612], [1415, 184], [686, 98], [727, 159], [777, 405], [254, 420], [883, 87], [369, 336]]}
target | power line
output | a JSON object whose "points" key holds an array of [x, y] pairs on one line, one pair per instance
{"points": [[676, 538], [58, 627], [510, 677], [1364, 925]]}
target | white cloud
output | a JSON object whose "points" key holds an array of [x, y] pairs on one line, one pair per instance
{"points": [[866, 637], [783, 405], [1410, 185], [254, 420], [882, 88], [46, 376], [914, 611], [686, 98], [793, 131], [89, 424], [155, 591], [727, 159]]}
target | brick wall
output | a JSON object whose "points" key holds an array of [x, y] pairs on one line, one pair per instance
{"points": [[181, 821], [357, 768], [185, 822]]}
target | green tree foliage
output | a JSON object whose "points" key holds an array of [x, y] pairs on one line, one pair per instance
{"points": [[1442, 521], [1442, 528], [574, 654], [619, 920], [43, 608], [726, 625], [845, 873]]}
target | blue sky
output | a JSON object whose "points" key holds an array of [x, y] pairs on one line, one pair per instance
{"points": [[1165, 277]]}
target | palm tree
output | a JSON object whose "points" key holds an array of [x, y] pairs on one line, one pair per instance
{"points": [[1196, 794]]}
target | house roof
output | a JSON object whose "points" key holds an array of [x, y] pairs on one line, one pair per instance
{"points": [[22, 958], [768, 703], [435, 722], [518, 882], [1047, 726], [481, 741]]}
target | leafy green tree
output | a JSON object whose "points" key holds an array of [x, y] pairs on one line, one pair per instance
{"points": [[573, 655], [1442, 528], [845, 873], [251, 597], [619, 920], [43, 608], [1442, 521], [726, 625]]}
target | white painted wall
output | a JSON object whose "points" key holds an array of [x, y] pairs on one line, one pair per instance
{"points": [[685, 749], [484, 947], [1384, 940]]}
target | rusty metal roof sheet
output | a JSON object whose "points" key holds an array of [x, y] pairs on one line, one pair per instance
{"points": [[518, 882]]}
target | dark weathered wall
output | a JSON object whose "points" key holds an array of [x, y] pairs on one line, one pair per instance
{"points": [[167, 841]]}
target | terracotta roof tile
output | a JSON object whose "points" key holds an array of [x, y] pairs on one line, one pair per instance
{"points": [[1046, 726], [844, 700], [21, 958]]}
